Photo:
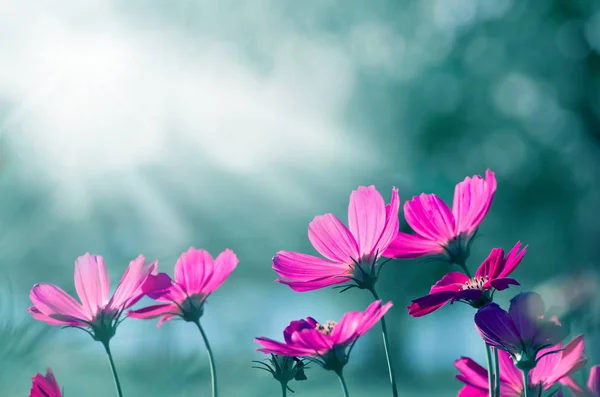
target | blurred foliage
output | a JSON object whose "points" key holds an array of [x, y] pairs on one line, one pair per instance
{"points": [[424, 92]]}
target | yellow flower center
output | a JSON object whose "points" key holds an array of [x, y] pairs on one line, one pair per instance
{"points": [[326, 329]]}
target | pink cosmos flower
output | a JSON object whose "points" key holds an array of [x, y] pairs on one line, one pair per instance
{"points": [[477, 291], [551, 369], [197, 275], [522, 332], [440, 230], [45, 386], [351, 252], [96, 311], [593, 384], [326, 343]]}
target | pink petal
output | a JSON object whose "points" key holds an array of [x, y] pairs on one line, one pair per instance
{"points": [[372, 315], [39, 316], [574, 388], [594, 380], [159, 287], [391, 224], [452, 281], [129, 290], [501, 283], [50, 300], [193, 269], [407, 246], [509, 374], [416, 310], [472, 200], [470, 391], [225, 263], [430, 217], [92, 283], [166, 311], [366, 219], [305, 272], [273, 347], [565, 363], [45, 386], [346, 329], [472, 373], [513, 259], [313, 340], [492, 265], [429, 303], [332, 239]]}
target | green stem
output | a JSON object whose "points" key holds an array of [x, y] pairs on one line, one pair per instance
{"points": [[497, 367], [343, 383], [488, 357], [283, 389], [211, 360], [386, 346], [114, 370], [463, 265], [525, 382]]}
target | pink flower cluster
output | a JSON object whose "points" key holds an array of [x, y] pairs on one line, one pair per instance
{"points": [[524, 345]]}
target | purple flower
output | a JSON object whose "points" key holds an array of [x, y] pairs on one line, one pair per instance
{"points": [[523, 331], [477, 291], [440, 230], [551, 369]]}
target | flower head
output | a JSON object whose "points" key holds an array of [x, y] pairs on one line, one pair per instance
{"points": [[440, 230], [197, 275], [593, 384], [351, 252], [45, 386], [551, 369], [325, 343], [477, 291], [97, 314], [522, 332]]}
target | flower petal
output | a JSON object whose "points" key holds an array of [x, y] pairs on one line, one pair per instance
{"points": [[497, 329], [513, 259], [574, 388], [430, 217], [312, 339], [224, 264], [305, 272], [332, 239], [129, 291], [509, 374], [502, 283], [372, 315], [166, 311], [525, 310], [408, 246], [92, 282], [472, 373], [297, 326], [50, 300], [472, 200], [273, 347], [391, 224], [492, 265], [432, 301], [45, 386], [366, 218], [561, 364], [193, 269], [594, 380], [470, 391]]}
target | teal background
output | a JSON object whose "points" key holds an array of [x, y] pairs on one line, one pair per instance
{"points": [[148, 127]]}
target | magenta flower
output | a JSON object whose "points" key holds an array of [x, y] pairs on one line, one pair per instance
{"points": [[522, 332], [325, 343], [96, 314], [45, 386], [351, 252], [593, 384], [551, 369], [197, 275], [478, 291], [440, 230]]}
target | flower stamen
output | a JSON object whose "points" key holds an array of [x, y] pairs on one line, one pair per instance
{"points": [[475, 283], [326, 329]]}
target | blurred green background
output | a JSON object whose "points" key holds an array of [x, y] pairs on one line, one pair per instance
{"points": [[145, 126]]}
